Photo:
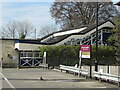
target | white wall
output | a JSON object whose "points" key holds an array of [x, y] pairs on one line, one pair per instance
{"points": [[27, 46]]}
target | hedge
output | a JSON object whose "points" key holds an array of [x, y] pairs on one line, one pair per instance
{"points": [[69, 55]]}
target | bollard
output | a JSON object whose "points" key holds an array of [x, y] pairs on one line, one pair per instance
{"points": [[41, 78]]}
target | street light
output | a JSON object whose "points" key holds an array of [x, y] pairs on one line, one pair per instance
{"points": [[96, 61], [97, 9]]}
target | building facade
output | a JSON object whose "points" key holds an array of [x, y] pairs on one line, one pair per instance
{"points": [[23, 53], [81, 36]]}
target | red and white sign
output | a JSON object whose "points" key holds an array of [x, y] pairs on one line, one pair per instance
{"points": [[85, 51]]}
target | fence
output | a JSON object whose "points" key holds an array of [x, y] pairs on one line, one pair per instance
{"points": [[102, 73], [106, 69]]}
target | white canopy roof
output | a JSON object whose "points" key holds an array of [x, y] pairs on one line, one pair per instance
{"points": [[69, 32]]}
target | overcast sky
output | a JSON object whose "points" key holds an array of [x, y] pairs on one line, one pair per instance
{"points": [[35, 12]]}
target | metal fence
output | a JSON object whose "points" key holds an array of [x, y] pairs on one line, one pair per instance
{"points": [[106, 69]]}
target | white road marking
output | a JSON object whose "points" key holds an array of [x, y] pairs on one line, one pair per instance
{"points": [[8, 81]]}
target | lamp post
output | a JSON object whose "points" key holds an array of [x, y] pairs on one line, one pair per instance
{"points": [[96, 61]]}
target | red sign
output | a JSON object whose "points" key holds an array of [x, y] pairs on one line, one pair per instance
{"points": [[85, 51], [85, 48]]}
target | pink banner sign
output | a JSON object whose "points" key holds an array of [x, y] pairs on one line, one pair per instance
{"points": [[85, 51], [85, 48]]}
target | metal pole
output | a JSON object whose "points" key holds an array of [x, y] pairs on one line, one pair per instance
{"points": [[90, 61], [96, 62], [79, 67], [35, 33]]}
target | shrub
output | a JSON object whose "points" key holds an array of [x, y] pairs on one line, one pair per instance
{"points": [[69, 55]]}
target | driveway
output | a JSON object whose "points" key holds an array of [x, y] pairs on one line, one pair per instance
{"points": [[30, 78]]}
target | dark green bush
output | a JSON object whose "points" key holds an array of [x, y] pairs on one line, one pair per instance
{"points": [[105, 55], [69, 55]]}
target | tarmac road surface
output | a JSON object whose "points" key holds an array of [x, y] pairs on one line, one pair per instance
{"points": [[30, 78]]}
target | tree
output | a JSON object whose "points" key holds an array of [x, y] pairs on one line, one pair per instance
{"points": [[117, 36], [72, 14], [17, 30], [45, 30], [114, 39]]}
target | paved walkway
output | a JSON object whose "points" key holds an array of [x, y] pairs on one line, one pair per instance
{"points": [[30, 78]]}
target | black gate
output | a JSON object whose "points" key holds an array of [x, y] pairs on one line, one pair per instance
{"points": [[29, 59]]}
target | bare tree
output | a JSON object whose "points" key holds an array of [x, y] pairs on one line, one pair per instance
{"points": [[9, 30], [72, 14], [45, 30], [17, 30]]}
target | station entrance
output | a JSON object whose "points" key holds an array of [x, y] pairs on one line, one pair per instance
{"points": [[29, 58]]}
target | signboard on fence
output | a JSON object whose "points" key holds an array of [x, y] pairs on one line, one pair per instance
{"points": [[85, 51]]}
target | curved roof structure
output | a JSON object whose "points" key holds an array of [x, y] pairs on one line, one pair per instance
{"points": [[57, 37], [74, 36]]}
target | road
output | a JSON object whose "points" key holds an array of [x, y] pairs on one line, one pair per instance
{"points": [[30, 78]]}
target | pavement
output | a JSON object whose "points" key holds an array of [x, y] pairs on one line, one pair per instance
{"points": [[31, 78]]}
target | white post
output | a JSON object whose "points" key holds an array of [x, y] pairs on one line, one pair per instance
{"points": [[79, 67], [44, 58]]}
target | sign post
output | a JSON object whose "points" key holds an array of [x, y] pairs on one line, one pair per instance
{"points": [[80, 60], [84, 53]]}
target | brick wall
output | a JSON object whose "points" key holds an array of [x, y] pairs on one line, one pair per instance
{"points": [[9, 55]]}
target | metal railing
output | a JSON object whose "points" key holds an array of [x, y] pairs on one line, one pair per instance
{"points": [[107, 77], [99, 75], [74, 69]]}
